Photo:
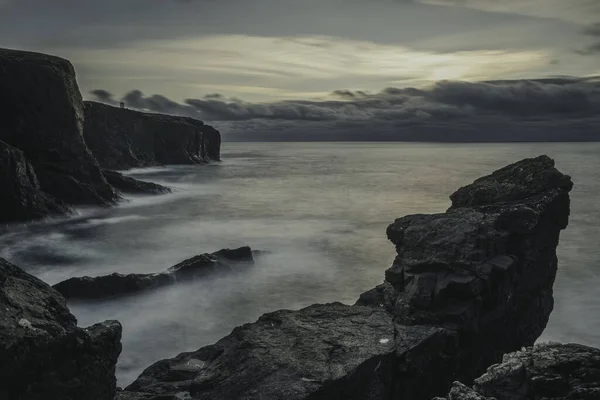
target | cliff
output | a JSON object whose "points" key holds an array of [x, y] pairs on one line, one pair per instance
{"points": [[44, 354], [22, 198], [467, 286], [122, 138], [42, 115]]}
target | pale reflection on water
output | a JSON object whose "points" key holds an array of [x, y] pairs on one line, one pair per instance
{"points": [[321, 208]]}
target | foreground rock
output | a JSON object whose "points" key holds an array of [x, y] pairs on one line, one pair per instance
{"points": [[118, 284], [127, 184], [466, 287], [122, 138], [42, 115], [44, 354], [22, 199], [546, 371]]}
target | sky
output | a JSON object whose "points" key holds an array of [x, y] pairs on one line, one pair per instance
{"points": [[263, 67]]}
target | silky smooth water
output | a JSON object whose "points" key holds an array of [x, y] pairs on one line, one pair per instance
{"points": [[321, 208]]}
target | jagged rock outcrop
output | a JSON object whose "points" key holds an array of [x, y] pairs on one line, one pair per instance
{"points": [[44, 355], [466, 287], [42, 115], [545, 371], [122, 138], [119, 284], [22, 199], [127, 184]]}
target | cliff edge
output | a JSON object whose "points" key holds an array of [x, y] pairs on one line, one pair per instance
{"points": [[42, 115], [122, 138]]}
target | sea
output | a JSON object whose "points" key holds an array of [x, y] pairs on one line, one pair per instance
{"points": [[320, 209]]}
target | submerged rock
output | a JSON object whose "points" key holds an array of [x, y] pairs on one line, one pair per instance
{"points": [[466, 287], [127, 184], [42, 115], [44, 355], [119, 284], [545, 371], [22, 199], [122, 138]]}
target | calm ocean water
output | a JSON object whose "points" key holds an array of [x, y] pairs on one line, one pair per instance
{"points": [[321, 208]]}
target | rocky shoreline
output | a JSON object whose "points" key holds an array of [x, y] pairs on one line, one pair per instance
{"points": [[457, 315], [56, 150], [469, 288]]}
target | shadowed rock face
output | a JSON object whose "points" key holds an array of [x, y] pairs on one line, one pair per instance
{"points": [[119, 285], [44, 354], [42, 115], [546, 371], [22, 199], [466, 287], [127, 184], [122, 139]]}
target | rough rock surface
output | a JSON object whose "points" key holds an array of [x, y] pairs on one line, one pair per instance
{"points": [[545, 371], [119, 284], [44, 355], [22, 199], [122, 138], [42, 115], [466, 287], [127, 184]]}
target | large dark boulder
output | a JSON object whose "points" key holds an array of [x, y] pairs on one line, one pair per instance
{"points": [[127, 184], [123, 138], [466, 287], [42, 115], [119, 284], [22, 199], [545, 371], [43, 354]]}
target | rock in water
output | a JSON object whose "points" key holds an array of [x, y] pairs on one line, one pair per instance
{"points": [[22, 199], [546, 371], [43, 117], [466, 287], [122, 138], [44, 355], [127, 184], [119, 285]]}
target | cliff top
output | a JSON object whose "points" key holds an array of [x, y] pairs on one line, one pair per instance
{"points": [[135, 113]]}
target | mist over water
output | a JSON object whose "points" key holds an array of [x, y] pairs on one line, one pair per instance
{"points": [[321, 208]]}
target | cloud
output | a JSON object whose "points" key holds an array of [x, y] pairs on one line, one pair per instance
{"points": [[561, 108], [576, 11], [592, 30], [103, 96]]}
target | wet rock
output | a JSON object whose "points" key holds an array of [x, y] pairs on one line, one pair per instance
{"points": [[127, 184], [545, 371], [119, 284], [123, 139], [466, 287], [22, 199], [42, 115], [44, 354]]}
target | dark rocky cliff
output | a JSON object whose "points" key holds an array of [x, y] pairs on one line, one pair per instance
{"points": [[42, 115], [122, 138], [466, 287], [44, 355], [22, 198]]}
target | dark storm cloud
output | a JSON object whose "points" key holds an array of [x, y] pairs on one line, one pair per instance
{"points": [[562, 108], [103, 96]]}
